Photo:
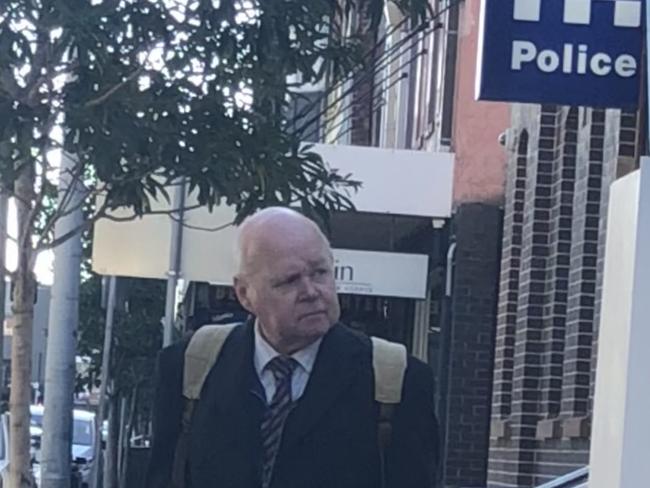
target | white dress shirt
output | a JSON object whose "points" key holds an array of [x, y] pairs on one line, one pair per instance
{"points": [[305, 358]]}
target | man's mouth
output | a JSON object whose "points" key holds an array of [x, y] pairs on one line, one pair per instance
{"points": [[312, 314]]}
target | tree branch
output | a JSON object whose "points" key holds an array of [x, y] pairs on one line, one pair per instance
{"points": [[61, 239], [9, 84], [102, 214], [24, 225], [102, 98], [201, 228], [154, 212], [6, 271], [49, 125], [61, 208]]}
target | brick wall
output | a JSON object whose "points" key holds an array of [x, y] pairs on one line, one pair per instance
{"points": [[551, 272], [509, 280], [623, 137], [477, 235]]}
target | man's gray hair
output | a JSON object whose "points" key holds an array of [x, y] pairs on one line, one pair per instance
{"points": [[260, 219]]}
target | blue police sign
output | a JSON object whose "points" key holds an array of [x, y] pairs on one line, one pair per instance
{"points": [[569, 52]]}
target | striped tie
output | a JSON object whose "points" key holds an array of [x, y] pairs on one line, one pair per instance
{"points": [[273, 421]]}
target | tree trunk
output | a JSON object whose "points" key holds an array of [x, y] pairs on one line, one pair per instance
{"points": [[20, 474], [62, 337]]}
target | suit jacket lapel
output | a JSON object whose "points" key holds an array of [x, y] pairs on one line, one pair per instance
{"points": [[334, 371]]}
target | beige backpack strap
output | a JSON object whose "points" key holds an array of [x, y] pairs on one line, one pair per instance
{"points": [[201, 354], [389, 365]]}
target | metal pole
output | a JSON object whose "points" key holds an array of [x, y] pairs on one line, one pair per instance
{"points": [[178, 205], [60, 365], [106, 361], [446, 333], [3, 284], [110, 450]]}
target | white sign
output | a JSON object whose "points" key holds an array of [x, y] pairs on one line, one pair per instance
{"points": [[381, 273], [395, 181], [141, 249]]}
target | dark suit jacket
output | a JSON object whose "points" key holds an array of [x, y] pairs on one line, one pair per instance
{"points": [[329, 439]]}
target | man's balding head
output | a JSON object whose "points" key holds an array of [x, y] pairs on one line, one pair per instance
{"points": [[286, 277], [263, 230]]}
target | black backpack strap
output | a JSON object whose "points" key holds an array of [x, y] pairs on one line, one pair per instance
{"points": [[181, 453], [384, 433]]}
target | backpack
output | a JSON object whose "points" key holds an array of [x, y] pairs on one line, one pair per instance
{"points": [[389, 367]]}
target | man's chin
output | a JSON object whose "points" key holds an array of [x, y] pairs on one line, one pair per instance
{"points": [[316, 323]]}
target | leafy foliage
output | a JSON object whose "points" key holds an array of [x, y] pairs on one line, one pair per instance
{"points": [[137, 333], [152, 90]]}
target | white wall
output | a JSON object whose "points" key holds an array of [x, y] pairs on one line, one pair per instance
{"points": [[620, 449]]}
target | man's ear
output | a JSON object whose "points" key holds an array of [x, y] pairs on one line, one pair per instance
{"points": [[242, 291]]}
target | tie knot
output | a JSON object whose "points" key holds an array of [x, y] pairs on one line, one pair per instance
{"points": [[282, 367]]}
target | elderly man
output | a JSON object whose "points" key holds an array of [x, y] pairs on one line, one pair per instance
{"points": [[290, 401]]}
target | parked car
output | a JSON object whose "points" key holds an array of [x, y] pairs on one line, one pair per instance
{"points": [[4, 449], [83, 439]]}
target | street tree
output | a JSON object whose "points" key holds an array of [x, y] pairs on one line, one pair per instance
{"points": [[144, 92]]}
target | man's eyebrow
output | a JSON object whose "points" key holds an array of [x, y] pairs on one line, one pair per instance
{"points": [[286, 277]]}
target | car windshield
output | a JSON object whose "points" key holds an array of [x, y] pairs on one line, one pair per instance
{"points": [[37, 420], [82, 434]]}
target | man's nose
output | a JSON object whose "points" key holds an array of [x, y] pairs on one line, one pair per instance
{"points": [[309, 289]]}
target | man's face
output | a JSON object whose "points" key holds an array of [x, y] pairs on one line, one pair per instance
{"points": [[290, 288]]}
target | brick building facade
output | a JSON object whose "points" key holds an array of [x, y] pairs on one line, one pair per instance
{"points": [[469, 339], [562, 161]]}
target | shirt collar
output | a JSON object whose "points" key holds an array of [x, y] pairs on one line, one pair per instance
{"points": [[264, 353]]}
